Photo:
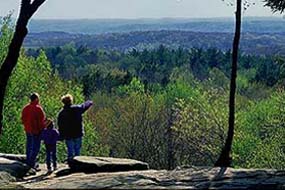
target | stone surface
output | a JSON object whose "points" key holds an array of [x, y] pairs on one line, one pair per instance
{"points": [[14, 168], [6, 178], [6, 181], [17, 157], [184, 178], [105, 164]]}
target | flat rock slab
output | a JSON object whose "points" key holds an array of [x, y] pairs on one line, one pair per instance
{"points": [[5, 178], [17, 157], [105, 164], [185, 178], [14, 168]]}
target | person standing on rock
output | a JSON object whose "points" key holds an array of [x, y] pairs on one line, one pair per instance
{"points": [[50, 136], [70, 124], [33, 119]]}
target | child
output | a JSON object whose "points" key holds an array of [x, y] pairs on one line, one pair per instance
{"points": [[50, 136]]}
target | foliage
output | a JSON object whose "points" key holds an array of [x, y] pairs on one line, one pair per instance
{"points": [[134, 123], [5, 36], [140, 95], [275, 5], [110, 69], [154, 102], [260, 133], [199, 120], [35, 75]]}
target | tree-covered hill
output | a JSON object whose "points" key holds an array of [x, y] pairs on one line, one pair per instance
{"points": [[264, 35], [251, 43], [99, 26]]}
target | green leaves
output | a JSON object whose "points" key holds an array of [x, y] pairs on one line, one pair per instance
{"points": [[260, 134], [6, 35], [199, 125], [36, 75]]}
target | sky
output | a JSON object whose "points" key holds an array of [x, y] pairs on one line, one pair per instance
{"points": [[131, 9]]}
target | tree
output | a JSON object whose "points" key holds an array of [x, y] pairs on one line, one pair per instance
{"points": [[27, 10], [225, 158], [275, 5]]}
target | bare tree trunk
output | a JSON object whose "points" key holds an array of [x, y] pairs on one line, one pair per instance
{"points": [[27, 10], [225, 159]]}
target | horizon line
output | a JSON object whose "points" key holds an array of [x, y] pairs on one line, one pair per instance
{"points": [[161, 18]]}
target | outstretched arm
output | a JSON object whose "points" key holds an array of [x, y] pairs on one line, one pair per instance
{"points": [[86, 105]]}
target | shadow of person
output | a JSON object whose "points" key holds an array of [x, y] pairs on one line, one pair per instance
{"points": [[38, 178]]}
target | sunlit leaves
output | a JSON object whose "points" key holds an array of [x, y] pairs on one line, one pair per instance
{"points": [[36, 75], [5, 36], [260, 133]]}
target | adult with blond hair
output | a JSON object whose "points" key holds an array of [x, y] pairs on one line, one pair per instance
{"points": [[70, 124]]}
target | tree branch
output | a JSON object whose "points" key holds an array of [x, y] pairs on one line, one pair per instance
{"points": [[25, 5], [26, 2], [34, 6]]}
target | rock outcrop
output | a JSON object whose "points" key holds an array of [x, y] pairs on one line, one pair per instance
{"points": [[185, 178], [10, 171], [6, 178], [14, 168], [105, 164], [106, 173], [17, 157]]}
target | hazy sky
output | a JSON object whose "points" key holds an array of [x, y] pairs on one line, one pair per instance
{"points": [[71, 9]]}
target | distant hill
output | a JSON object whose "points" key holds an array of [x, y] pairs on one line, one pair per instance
{"points": [[260, 35], [99, 26], [251, 43]]}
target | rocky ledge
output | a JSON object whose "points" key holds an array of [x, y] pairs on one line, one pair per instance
{"points": [[183, 178], [180, 178], [105, 164]]}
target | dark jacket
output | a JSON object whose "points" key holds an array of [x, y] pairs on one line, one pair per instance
{"points": [[50, 136], [70, 120]]}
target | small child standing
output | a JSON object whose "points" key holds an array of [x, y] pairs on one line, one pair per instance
{"points": [[50, 136]]}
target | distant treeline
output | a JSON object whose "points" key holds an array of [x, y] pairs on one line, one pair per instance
{"points": [[99, 69], [100, 26], [251, 43]]}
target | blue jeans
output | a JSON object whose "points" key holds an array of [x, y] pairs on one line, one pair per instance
{"points": [[73, 147], [32, 149], [51, 155]]}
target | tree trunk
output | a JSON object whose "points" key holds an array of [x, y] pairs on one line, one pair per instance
{"points": [[26, 12], [225, 159]]}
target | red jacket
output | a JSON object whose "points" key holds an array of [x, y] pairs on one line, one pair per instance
{"points": [[33, 118]]}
